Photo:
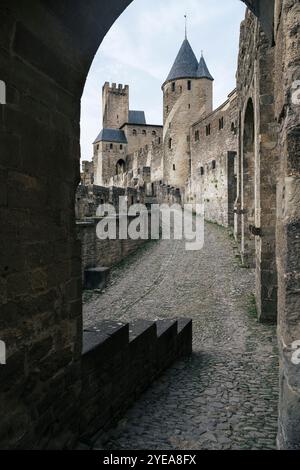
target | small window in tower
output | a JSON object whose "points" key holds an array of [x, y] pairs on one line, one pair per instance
{"points": [[196, 136], [154, 133], [98, 147], [170, 125], [167, 109], [170, 143], [221, 124], [180, 89], [174, 168], [189, 85], [134, 132], [189, 106], [121, 147], [144, 132], [208, 129], [201, 170], [173, 86], [213, 164], [159, 140], [111, 146]]}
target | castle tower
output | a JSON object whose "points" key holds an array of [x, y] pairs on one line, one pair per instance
{"points": [[115, 105], [187, 95]]}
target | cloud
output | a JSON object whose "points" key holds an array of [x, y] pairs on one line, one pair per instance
{"points": [[141, 47]]}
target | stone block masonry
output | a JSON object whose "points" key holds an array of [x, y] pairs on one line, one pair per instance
{"points": [[119, 361], [104, 253]]}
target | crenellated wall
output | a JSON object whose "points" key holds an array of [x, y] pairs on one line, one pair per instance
{"points": [[120, 361]]}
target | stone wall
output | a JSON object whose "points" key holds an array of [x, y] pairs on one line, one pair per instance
{"points": [[120, 361], [182, 107], [213, 181], [287, 112], [106, 157], [104, 253], [138, 135], [45, 70], [258, 162]]}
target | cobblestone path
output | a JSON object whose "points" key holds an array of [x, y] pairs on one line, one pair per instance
{"points": [[225, 395]]}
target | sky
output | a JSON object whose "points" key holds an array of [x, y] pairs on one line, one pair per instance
{"points": [[140, 49]]}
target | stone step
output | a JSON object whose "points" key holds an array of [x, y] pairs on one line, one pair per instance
{"points": [[96, 278]]}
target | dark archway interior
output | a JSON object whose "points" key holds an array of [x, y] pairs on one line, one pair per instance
{"points": [[120, 167], [249, 183]]}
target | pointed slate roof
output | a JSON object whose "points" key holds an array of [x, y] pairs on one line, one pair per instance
{"points": [[203, 71], [111, 135], [185, 65]]}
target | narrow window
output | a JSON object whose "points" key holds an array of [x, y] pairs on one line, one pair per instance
{"points": [[196, 136], [189, 106], [208, 129], [167, 109], [154, 133], [111, 146], [2, 92], [221, 124], [159, 140], [144, 132], [180, 89], [134, 132], [189, 85], [174, 168], [170, 125], [121, 147], [173, 86], [98, 147], [202, 171], [170, 143], [213, 164]]}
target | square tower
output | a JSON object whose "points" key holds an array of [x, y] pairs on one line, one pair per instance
{"points": [[115, 101]]}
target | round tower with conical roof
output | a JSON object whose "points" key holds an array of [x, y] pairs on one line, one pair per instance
{"points": [[188, 95]]}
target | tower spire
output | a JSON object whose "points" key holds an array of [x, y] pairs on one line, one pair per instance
{"points": [[185, 18]]}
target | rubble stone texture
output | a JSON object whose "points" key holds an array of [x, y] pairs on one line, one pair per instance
{"points": [[44, 70], [226, 395]]}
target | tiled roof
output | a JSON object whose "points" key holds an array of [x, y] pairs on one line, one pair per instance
{"points": [[111, 135], [203, 71], [185, 65], [136, 117]]}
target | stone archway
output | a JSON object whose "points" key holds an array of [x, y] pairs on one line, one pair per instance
{"points": [[45, 54], [120, 167], [248, 178]]}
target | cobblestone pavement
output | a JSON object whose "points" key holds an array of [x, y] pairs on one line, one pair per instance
{"points": [[225, 395]]}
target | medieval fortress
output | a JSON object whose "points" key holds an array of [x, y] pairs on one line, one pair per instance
{"points": [[191, 158]]}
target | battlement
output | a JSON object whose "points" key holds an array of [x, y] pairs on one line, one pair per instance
{"points": [[114, 88]]}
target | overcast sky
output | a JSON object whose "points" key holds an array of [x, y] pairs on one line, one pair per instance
{"points": [[140, 48]]}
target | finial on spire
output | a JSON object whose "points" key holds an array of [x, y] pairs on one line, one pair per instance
{"points": [[202, 53], [185, 16]]}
